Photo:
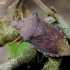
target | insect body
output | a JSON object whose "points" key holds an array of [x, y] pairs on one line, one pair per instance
{"points": [[44, 36]]}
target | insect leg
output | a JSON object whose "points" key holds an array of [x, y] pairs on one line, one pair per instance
{"points": [[16, 14], [17, 39], [16, 49]]}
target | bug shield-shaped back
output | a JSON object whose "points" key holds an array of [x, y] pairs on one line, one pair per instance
{"points": [[44, 36]]}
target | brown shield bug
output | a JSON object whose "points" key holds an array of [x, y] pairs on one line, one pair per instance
{"points": [[44, 36]]}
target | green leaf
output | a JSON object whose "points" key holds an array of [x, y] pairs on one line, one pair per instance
{"points": [[20, 50], [50, 19], [63, 25], [52, 64], [7, 33]]}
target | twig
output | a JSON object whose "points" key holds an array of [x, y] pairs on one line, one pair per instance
{"points": [[43, 6]]}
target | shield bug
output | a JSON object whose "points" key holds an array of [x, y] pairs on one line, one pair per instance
{"points": [[44, 36]]}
